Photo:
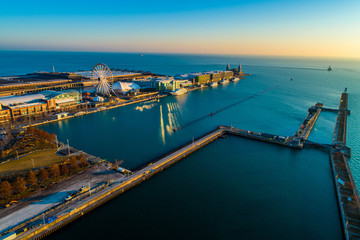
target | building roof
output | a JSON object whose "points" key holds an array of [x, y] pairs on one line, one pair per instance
{"points": [[52, 94], [26, 105], [6, 101], [163, 79], [125, 86], [24, 99]]}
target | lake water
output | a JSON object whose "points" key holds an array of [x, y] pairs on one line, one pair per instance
{"points": [[233, 188]]}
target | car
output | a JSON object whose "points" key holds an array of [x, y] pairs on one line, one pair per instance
{"points": [[50, 219], [69, 197]]}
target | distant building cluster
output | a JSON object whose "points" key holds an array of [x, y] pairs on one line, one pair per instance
{"points": [[39, 94]]}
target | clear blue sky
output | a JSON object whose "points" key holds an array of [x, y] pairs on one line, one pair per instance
{"points": [[257, 27]]}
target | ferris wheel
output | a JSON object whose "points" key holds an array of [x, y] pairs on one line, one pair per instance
{"points": [[102, 77]]}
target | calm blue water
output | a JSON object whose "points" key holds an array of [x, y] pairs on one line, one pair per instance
{"points": [[234, 188]]}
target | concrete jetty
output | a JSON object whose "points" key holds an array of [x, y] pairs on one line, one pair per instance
{"points": [[296, 141], [347, 194], [305, 129]]}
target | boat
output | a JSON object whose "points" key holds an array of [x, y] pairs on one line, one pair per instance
{"points": [[179, 91], [235, 79], [214, 84], [224, 81], [329, 68]]}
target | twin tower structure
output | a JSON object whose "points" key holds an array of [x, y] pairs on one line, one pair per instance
{"points": [[237, 71]]}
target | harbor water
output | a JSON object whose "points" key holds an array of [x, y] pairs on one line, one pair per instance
{"points": [[233, 188]]}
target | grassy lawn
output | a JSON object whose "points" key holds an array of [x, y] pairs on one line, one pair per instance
{"points": [[41, 159]]}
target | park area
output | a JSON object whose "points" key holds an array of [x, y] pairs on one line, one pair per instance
{"points": [[38, 159]]}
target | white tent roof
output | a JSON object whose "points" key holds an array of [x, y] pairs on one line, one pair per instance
{"points": [[125, 86], [134, 86], [98, 99]]}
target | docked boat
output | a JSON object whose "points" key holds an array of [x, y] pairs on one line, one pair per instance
{"points": [[214, 84], [224, 81], [235, 79], [179, 91]]}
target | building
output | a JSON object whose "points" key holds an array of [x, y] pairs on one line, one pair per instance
{"points": [[236, 71], [166, 84], [145, 84], [62, 98], [4, 115], [28, 109], [47, 101], [61, 115], [125, 87], [228, 67], [203, 78]]}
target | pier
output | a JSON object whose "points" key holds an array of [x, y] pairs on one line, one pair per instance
{"points": [[309, 122], [296, 141], [347, 195], [117, 188]]}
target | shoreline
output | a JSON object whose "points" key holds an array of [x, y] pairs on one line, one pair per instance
{"points": [[107, 108]]}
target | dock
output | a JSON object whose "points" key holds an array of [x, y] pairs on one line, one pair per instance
{"points": [[296, 141], [347, 195], [305, 129]]}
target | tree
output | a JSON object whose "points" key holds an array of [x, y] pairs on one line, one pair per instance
{"points": [[5, 189], [55, 170], [44, 175], [64, 169], [83, 160], [32, 180], [30, 130], [19, 184], [3, 153], [73, 163], [52, 137]]}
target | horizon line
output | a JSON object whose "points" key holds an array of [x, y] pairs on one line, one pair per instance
{"points": [[188, 53]]}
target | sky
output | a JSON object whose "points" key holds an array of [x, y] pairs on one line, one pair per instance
{"points": [[312, 28]]}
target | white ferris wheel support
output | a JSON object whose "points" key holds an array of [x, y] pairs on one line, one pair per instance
{"points": [[102, 77]]}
